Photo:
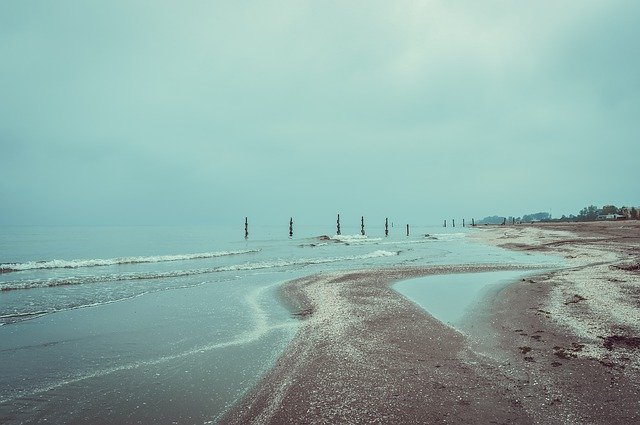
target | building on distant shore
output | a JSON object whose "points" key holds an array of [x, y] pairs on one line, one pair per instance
{"points": [[611, 217]]}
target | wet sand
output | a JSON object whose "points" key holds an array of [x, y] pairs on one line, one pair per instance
{"points": [[572, 336], [555, 348]]}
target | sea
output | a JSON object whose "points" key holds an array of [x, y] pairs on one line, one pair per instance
{"points": [[174, 324]]}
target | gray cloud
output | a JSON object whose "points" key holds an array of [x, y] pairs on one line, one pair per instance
{"points": [[159, 112]]}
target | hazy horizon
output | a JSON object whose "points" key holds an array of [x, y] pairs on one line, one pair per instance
{"points": [[119, 113]]}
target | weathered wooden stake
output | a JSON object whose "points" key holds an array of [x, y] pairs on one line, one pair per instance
{"points": [[454, 222], [463, 222], [362, 225], [473, 223], [291, 227], [246, 228], [338, 231], [386, 227], [445, 223], [407, 230]]}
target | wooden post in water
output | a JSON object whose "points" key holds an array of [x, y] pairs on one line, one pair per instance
{"points": [[291, 227], [513, 221], [246, 228], [362, 225], [445, 223], [454, 222], [338, 230], [463, 222], [386, 227], [473, 223], [407, 230]]}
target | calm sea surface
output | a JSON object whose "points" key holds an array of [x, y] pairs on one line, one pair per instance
{"points": [[171, 324]]}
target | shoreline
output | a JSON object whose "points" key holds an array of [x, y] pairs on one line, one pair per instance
{"points": [[364, 353]]}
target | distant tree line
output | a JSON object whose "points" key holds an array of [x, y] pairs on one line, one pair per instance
{"points": [[527, 218], [592, 212], [589, 213]]}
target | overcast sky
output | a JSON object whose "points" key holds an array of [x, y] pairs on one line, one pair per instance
{"points": [[119, 112]]}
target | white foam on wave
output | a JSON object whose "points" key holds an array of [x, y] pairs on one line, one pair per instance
{"points": [[409, 242], [305, 261], [279, 263], [451, 236], [354, 239], [22, 314], [74, 264]]}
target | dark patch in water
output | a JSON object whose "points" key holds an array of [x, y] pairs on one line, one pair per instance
{"points": [[7, 270]]}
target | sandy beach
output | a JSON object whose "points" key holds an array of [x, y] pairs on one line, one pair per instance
{"points": [[559, 347]]}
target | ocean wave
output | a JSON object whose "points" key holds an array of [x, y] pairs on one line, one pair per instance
{"points": [[7, 319], [74, 264], [23, 314], [408, 242], [451, 236], [354, 239], [78, 280]]}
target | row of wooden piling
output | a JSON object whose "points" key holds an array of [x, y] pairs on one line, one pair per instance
{"points": [[362, 232], [453, 223]]}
